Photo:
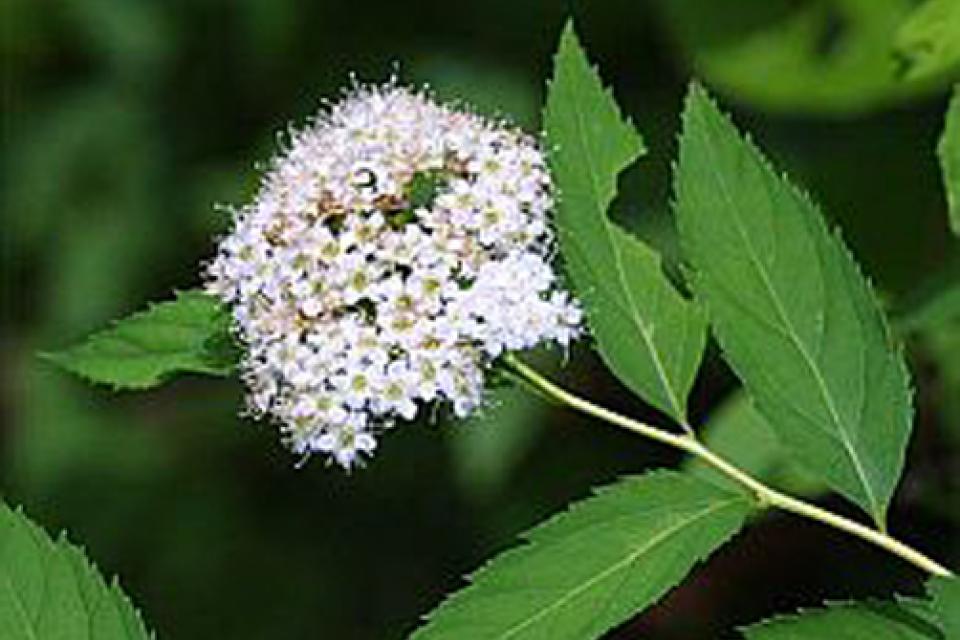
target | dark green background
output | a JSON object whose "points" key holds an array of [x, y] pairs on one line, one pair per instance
{"points": [[125, 121]]}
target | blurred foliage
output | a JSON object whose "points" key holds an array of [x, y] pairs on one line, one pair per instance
{"points": [[948, 150], [738, 432], [125, 122], [929, 39], [829, 56]]}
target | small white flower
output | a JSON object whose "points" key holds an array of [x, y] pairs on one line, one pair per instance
{"points": [[394, 250], [347, 443]]}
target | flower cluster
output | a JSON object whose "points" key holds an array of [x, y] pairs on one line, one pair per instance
{"points": [[395, 249]]}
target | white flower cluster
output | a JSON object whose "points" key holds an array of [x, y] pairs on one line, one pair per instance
{"points": [[395, 249]]}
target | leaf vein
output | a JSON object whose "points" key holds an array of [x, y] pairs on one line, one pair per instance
{"points": [[652, 543], [825, 393]]}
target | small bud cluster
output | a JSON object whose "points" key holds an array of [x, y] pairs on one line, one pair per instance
{"points": [[395, 249]]}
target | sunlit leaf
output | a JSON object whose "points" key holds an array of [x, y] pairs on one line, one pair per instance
{"points": [[929, 40], [825, 58]]}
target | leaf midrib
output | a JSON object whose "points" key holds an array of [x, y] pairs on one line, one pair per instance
{"points": [[630, 558], [593, 179], [793, 336], [575, 254]]}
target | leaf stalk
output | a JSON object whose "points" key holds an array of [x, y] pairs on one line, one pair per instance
{"points": [[765, 495]]}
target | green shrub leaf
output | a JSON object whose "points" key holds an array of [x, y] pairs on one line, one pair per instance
{"points": [[737, 432], [595, 565], [851, 621], [945, 594], [949, 153], [187, 335], [929, 39], [48, 589], [822, 58], [794, 316], [646, 332]]}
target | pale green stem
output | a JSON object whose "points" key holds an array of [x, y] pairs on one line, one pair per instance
{"points": [[767, 496]]}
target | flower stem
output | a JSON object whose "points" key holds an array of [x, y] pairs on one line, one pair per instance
{"points": [[767, 496]]}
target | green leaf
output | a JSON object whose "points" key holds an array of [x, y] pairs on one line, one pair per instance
{"points": [[949, 152], [823, 58], [48, 589], [851, 621], [928, 41], [945, 594], [186, 335], [794, 316], [737, 432], [646, 332], [594, 566]]}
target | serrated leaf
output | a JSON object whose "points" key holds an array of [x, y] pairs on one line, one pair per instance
{"points": [[646, 332], [917, 606], [793, 315], [849, 621], [737, 432], [928, 41], [48, 589], [949, 153], [945, 596], [187, 335], [595, 565]]}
